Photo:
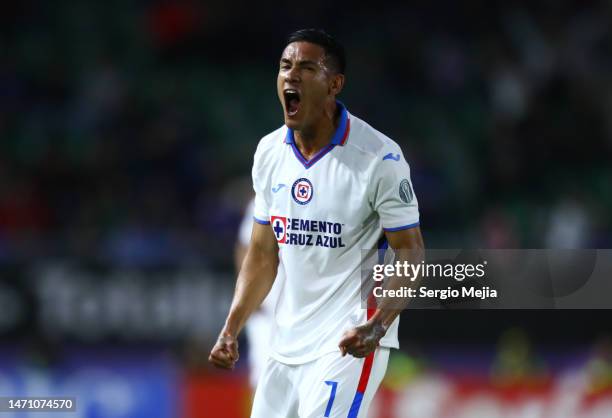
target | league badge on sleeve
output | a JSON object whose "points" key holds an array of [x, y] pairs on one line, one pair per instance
{"points": [[405, 191], [302, 191]]}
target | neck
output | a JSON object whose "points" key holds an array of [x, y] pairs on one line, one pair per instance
{"points": [[312, 139]]}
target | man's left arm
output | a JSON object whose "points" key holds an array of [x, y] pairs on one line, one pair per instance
{"points": [[363, 339]]}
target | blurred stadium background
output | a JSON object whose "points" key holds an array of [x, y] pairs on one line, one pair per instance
{"points": [[126, 136]]}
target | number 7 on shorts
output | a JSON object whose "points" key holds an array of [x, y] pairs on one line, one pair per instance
{"points": [[331, 396]]}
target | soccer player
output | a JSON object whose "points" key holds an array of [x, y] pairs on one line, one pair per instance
{"points": [[327, 186]]}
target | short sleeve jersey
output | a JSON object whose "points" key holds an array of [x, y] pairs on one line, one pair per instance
{"points": [[323, 213]]}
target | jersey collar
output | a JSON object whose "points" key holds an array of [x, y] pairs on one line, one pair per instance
{"points": [[341, 134]]}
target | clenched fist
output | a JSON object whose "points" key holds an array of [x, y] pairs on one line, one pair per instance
{"points": [[224, 354], [362, 340]]}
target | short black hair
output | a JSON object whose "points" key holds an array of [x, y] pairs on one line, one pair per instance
{"points": [[334, 51]]}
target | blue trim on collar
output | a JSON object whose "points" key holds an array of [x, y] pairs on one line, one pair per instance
{"points": [[340, 131], [309, 163]]}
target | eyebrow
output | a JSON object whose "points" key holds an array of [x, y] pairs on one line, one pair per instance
{"points": [[300, 63]]}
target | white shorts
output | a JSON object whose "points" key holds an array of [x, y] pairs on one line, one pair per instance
{"points": [[331, 386]]}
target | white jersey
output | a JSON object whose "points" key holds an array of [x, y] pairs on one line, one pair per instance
{"points": [[324, 212]]}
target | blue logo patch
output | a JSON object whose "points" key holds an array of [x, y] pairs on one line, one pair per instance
{"points": [[302, 191], [390, 156], [278, 187]]}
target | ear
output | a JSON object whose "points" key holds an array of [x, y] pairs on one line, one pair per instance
{"points": [[336, 84]]}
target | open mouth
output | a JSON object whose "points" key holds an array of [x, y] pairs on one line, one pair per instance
{"points": [[292, 101]]}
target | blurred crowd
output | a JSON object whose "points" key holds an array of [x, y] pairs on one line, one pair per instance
{"points": [[127, 130]]}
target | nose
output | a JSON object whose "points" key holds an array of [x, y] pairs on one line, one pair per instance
{"points": [[293, 75]]}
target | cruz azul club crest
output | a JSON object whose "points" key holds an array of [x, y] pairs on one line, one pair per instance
{"points": [[302, 191]]}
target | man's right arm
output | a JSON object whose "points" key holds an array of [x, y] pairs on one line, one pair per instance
{"points": [[253, 284]]}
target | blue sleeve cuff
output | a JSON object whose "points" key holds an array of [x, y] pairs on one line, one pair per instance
{"points": [[260, 221], [399, 228]]}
